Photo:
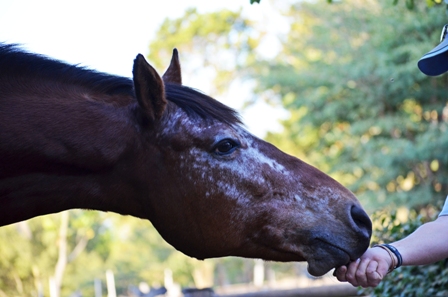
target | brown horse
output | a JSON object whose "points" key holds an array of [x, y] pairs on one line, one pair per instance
{"points": [[154, 149]]}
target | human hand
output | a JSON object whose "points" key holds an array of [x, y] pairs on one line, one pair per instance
{"points": [[367, 271]]}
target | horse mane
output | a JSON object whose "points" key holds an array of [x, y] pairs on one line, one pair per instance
{"points": [[14, 62], [194, 102]]}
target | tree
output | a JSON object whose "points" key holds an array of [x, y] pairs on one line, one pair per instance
{"points": [[215, 43], [410, 4], [360, 107], [47, 247]]}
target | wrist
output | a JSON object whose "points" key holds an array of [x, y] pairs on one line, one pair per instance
{"points": [[394, 254]]}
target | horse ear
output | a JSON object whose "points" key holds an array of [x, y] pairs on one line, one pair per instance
{"points": [[149, 89], [173, 73]]}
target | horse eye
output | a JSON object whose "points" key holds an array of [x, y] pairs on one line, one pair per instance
{"points": [[225, 147]]}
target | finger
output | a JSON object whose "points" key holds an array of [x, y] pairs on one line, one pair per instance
{"points": [[351, 272], [361, 276], [383, 268], [373, 276], [340, 272]]}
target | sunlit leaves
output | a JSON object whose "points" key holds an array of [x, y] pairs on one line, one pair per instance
{"points": [[410, 4], [217, 42], [353, 65]]}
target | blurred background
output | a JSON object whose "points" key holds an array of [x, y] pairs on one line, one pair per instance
{"points": [[335, 84]]}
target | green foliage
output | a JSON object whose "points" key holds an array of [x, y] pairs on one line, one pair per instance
{"points": [[215, 42], [407, 281], [28, 254], [360, 108], [138, 253], [410, 4], [131, 247]]}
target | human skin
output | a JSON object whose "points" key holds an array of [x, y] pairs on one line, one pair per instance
{"points": [[426, 245]]}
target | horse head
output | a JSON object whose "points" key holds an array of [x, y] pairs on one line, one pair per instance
{"points": [[212, 189]]}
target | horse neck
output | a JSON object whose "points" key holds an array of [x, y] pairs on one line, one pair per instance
{"points": [[63, 150]]}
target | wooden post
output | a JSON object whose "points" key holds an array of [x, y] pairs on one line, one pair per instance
{"points": [[258, 273], [110, 284]]}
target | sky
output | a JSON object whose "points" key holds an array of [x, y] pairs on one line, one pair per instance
{"points": [[107, 35]]}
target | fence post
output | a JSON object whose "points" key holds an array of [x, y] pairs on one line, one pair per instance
{"points": [[110, 284], [258, 273]]}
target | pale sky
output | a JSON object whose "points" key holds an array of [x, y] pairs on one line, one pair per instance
{"points": [[106, 35]]}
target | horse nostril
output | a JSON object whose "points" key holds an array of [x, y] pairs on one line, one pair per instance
{"points": [[361, 220]]}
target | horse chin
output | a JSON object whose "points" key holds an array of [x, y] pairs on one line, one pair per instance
{"points": [[321, 267], [323, 260]]}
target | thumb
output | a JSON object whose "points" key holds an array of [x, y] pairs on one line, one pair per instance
{"points": [[383, 268]]}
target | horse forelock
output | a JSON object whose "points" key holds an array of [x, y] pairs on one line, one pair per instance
{"points": [[195, 103]]}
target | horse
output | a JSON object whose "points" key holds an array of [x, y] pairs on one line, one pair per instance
{"points": [[152, 148]]}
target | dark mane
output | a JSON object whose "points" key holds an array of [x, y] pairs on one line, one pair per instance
{"points": [[197, 103], [15, 62]]}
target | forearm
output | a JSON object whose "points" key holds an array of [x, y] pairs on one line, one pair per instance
{"points": [[426, 245]]}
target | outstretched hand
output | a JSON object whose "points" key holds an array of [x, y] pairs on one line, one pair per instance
{"points": [[367, 271]]}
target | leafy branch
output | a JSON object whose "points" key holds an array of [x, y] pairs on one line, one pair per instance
{"points": [[410, 4]]}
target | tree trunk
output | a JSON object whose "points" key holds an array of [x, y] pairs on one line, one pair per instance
{"points": [[56, 280]]}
